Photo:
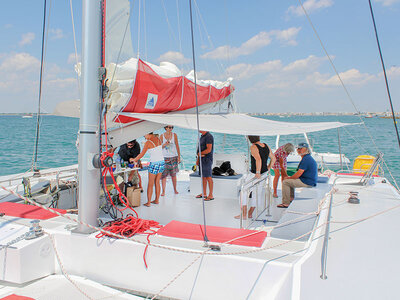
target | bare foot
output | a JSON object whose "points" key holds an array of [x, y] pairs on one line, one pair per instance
{"points": [[238, 217], [147, 204], [250, 217], [275, 195], [155, 202], [176, 192], [163, 194]]}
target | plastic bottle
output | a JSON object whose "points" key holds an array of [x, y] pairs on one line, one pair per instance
{"points": [[117, 163]]}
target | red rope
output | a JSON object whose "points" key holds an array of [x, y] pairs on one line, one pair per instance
{"points": [[129, 227]]}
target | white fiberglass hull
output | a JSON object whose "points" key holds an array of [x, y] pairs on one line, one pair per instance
{"points": [[361, 250]]}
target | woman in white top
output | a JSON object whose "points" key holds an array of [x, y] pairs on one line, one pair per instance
{"points": [[156, 166], [172, 157]]}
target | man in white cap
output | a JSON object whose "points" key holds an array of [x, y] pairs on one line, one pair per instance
{"points": [[306, 175]]}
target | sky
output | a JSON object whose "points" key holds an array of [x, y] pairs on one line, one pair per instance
{"points": [[268, 48]]}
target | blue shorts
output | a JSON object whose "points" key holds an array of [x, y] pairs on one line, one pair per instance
{"points": [[205, 169], [156, 167]]}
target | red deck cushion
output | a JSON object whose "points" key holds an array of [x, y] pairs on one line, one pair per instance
{"points": [[27, 211], [214, 233]]}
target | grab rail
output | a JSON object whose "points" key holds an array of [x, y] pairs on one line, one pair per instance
{"points": [[246, 187], [324, 254]]}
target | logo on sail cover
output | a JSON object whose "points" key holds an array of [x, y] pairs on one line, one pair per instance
{"points": [[151, 101]]}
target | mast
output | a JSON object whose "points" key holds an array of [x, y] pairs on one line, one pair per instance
{"points": [[89, 177]]}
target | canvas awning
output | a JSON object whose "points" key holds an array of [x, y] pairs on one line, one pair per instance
{"points": [[237, 123]]}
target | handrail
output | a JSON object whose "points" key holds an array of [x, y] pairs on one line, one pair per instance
{"points": [[368, 174], [324, 254], [246, 186]]}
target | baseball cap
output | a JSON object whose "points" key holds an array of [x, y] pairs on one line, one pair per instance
{"points": [[302, 145]]}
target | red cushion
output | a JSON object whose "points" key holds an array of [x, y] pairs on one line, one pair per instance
{"points": [[27, 211], [214, 233]]}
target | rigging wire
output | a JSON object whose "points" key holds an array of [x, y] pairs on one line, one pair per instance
{"points": [[197, 120], [138, 44], [75, 47], [144, 29], [34, 163], [341, 82], [384, 73]]}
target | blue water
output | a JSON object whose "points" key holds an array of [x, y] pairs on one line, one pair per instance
{"points": [[58, 135]]}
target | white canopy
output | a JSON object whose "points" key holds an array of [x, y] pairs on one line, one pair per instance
{"points": [[236, 123]]}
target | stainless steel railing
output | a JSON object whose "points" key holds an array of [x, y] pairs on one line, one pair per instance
{"points": [[253, 185], [324, 254]]}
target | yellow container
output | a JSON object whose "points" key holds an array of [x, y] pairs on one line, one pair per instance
{"points": [[363, 162]]}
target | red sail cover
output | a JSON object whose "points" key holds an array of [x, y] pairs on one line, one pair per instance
{"points": [[155, 94]]}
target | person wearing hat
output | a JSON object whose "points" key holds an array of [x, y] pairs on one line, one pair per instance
{"points": [[306, 175]]}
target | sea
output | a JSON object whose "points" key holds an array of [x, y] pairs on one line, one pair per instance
{"points": [[58, 135]]}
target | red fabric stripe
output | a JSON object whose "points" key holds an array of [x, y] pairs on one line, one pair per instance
{"points": [[168, 93]]}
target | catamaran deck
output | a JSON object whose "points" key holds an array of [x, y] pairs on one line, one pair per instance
{"points": [[286, 266]]}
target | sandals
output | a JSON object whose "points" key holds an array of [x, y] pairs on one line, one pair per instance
{"points": [[208, 199], [200, 196], [282, 205]]}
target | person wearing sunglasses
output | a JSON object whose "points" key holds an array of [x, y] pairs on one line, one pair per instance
{"points": [[172, 157], [305, 177]]}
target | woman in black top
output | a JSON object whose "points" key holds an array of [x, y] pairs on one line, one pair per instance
{"points": [[259, 157]]}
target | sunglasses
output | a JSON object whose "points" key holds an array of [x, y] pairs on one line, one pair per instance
{"points": [[169, 127]]}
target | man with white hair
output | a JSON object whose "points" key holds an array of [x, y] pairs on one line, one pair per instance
{"points": [[306, 175]]}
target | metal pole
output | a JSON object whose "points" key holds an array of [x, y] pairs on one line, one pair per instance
{"points": [[340, 148], [89, 177], [324, 255]]}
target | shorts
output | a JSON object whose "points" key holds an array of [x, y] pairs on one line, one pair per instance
{"points": [[205, 167], [156, 167], [171, 167]]}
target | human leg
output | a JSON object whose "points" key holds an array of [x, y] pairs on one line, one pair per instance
{"points": [[210, 187], [275, 182], [158, 188], [288, 187], [163, 183], [204, 180], [150, 185], [173, 178]]}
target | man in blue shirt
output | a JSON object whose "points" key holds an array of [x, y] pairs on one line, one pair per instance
{"points": [[206, 154], [306, 175]]}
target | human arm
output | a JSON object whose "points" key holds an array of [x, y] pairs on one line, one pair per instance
{"points": [[207, 150], [141, 154], [283, 170], [272, 158], [177, 147], [256, 154], [295, 175]]}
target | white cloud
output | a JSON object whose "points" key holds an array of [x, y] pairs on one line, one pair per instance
{"points": [[287, 36], [244, 71], [27, 39], [311, 6], [20, 73], [255, 43], [72, 58], [305, 65], [393, 71], [56, 33], [19, 62], [349, 77], [387, 2], [174, 57]]}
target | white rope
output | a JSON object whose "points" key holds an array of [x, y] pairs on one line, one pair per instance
{"points": [[63, 271]]}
